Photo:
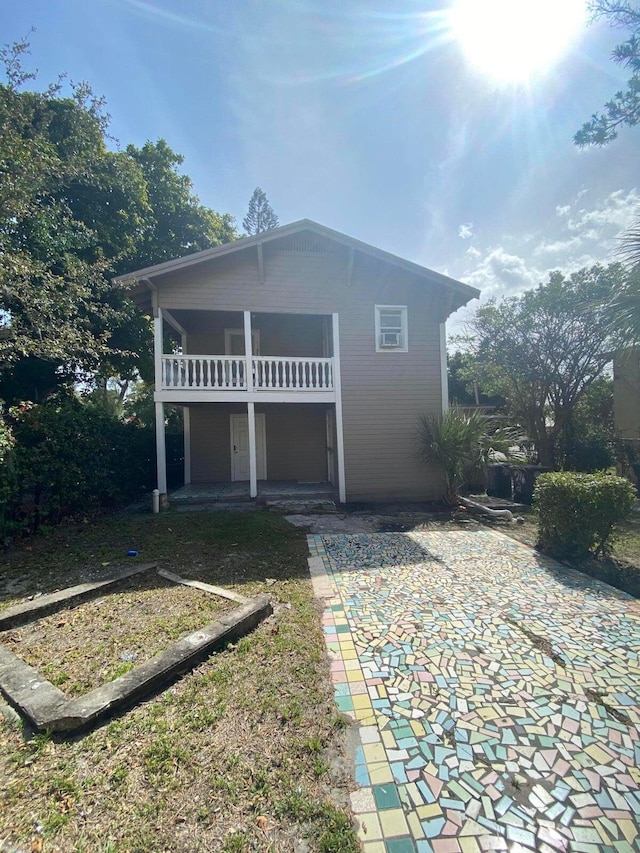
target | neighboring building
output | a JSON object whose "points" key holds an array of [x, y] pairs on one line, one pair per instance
{"points": [[301, 355], [626, 393]]}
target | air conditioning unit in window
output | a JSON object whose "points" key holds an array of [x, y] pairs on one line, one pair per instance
{"points": [[390, 339]]}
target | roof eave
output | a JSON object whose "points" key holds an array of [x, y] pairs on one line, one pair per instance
{"points": [[213, 252], [464, 291]]}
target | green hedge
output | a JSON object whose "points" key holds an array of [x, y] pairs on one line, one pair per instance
{"points": [[579, 512], [66, 457]]}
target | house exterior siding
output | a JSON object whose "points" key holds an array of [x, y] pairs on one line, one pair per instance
{"points": [[295, 441], [312, 293], [383, 393], [211, 442]]}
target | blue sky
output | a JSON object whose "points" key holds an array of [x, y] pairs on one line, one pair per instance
{"points": [[367, 120]]}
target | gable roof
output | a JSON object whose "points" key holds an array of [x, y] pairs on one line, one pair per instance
{"points": [[463, 292]]}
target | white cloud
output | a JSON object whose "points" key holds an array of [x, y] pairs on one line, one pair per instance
{"points": [[557, 248], [608, 219], [465, 231], [501, 271], [579, 235]]}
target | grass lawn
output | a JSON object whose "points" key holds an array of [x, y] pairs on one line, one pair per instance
{"points": [[245, 753]]}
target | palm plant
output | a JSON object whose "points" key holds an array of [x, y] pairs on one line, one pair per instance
{"points": [[462, 442], [623, 309]]}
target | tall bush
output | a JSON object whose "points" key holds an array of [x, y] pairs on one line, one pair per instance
{"points": [[69, 458], [8, 479], [587, 440], [578, 513]]}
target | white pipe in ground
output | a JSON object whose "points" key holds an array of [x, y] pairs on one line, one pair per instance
{"points": [[474, 506]]}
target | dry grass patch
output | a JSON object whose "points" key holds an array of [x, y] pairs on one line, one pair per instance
{"points": [[96, 641], [243, 754]]}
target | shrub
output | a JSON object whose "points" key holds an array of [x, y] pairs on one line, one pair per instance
{"points": [[461, 442], [69, 457], [590, 452], [579, 512], [8, 478]]}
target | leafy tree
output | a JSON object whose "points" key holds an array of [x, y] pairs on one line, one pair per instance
{"points": [[260, 216], [61, 194], [176, 223], [72, 215], [463, 383], [543, 350], [624, 107]]}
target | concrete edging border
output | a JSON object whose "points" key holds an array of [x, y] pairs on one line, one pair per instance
{"points": [[48, 708]]}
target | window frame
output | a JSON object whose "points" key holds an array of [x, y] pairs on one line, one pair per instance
{"points": [[255, 338], [404, 328]]}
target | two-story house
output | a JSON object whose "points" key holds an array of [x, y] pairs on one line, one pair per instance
{"points": [[300, 355]]}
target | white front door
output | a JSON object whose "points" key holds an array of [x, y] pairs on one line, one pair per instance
{"points": [[240, 448]]}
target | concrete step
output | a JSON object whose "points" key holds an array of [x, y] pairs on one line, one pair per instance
{"points": [[320, 504]]}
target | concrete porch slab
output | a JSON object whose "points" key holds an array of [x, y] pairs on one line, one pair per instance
{"points": [[268, 490]]}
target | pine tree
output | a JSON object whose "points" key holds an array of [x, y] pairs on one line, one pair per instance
{"points": [[260, 216]]}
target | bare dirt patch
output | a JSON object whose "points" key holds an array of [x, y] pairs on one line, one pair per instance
{"points": [[83, 647]]}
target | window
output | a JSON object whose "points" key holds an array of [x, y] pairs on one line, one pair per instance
{"points": [[391, 328], [234, 341]]}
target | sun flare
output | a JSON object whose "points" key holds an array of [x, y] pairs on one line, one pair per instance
{"points": [[511, 41]]}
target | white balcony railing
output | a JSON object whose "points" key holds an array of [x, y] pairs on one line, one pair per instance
{"points": [[203, 371], [228, 373], [293, 374]]}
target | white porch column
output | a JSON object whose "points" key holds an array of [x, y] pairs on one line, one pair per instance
{"points": [[337, 385], [248, 354], [186, 426], [157, 347], [161, 447], [251, 409], [253, 459], [161, 451], [444, 377]]}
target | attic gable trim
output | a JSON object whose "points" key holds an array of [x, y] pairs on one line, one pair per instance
{"points": [[394, 260], [215, 252], [464, 290]]}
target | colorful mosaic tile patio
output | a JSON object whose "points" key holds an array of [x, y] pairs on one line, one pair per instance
{"points": [[496, 692]]}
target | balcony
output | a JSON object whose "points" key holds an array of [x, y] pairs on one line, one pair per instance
{"points": [[227, 373]]}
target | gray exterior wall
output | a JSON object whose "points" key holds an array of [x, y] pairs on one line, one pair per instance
{"points": [[280, 334], [383, 393], [295, 436]]}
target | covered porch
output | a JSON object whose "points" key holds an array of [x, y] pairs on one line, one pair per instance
{"points": [[268, 490], [263, 452], [247, 414]]}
